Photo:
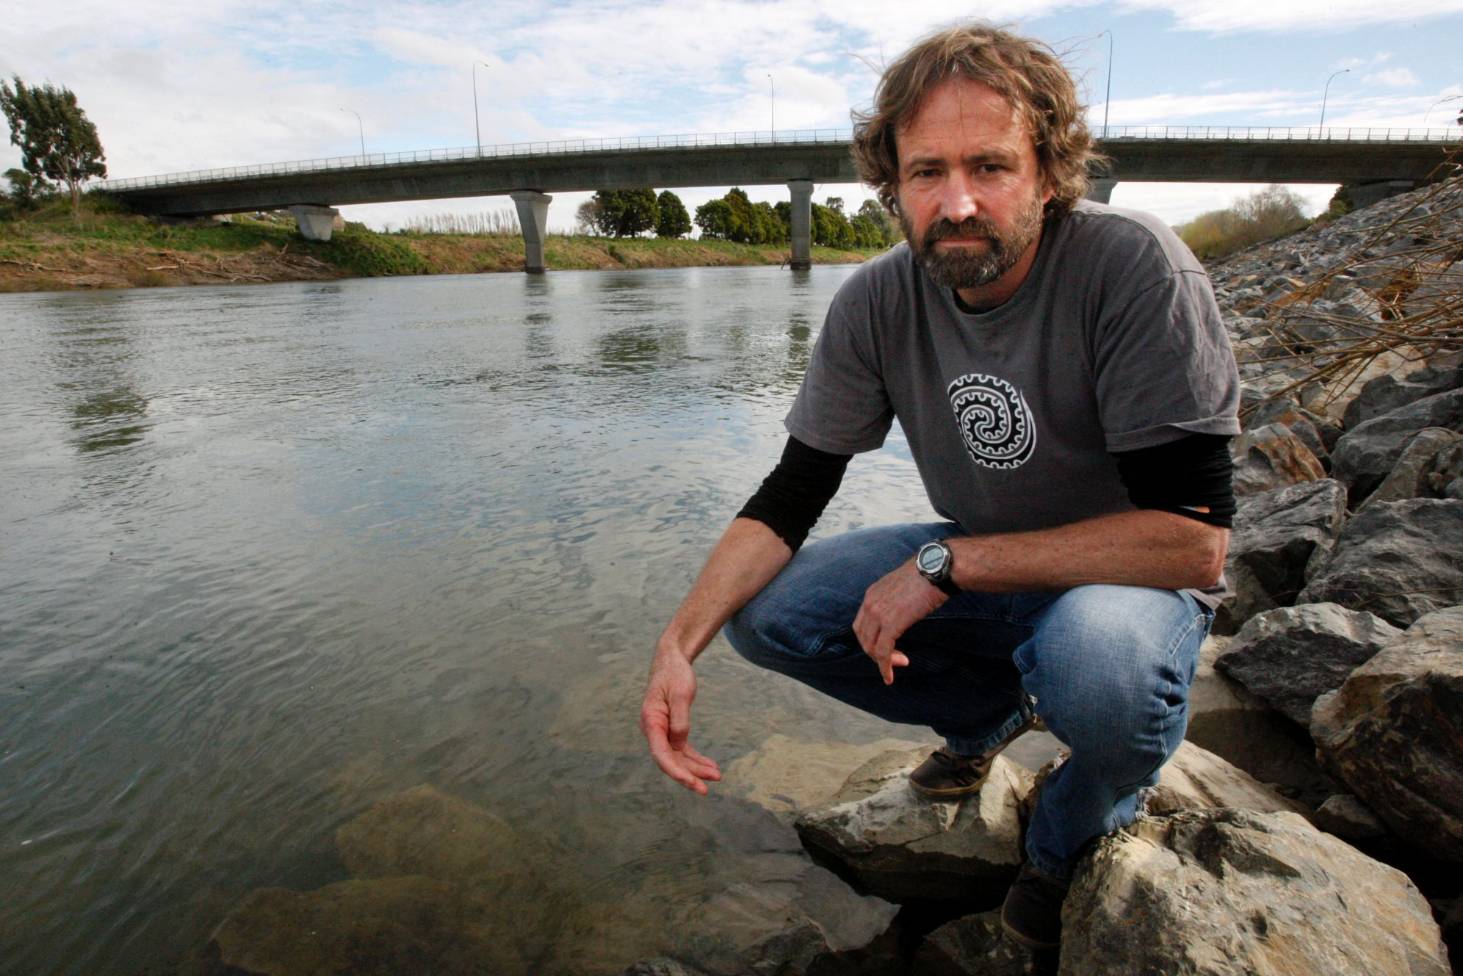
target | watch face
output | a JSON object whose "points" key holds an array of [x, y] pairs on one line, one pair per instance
{"points": [[931, 558]]}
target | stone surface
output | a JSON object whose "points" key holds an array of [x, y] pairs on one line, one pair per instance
{"points": [[1271, 457], [1397, 389], [786, 775], [1238, 893], [1431, 466], [1366, 454], [1275, 535], [378, 927], [1317, 432], [970, 946], [1394, 734], [1196, 779], [1237, 726], [1290, 655], [661, 966], [896, 844], [1348, 818], [1398, 560]]}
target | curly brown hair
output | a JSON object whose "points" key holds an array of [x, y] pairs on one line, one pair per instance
{"points": [[1026, 72]]}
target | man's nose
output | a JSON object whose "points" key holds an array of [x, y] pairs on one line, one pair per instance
{"points": [[961, 197]]}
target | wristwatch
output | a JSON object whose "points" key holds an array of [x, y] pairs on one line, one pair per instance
{"points": [[935, 563]]}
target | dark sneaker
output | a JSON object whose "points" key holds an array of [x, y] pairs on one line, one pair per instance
{"points": [[1032, 913], [947, 774]]}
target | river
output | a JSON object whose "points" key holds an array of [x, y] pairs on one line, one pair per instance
{"points": [[272, 554]]}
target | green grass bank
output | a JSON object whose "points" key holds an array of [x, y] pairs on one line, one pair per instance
{"points": [[46, 249]]}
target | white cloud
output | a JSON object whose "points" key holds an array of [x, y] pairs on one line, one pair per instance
{"points": [[1218, 16], [1391, 78]]}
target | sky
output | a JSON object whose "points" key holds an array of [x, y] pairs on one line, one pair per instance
{"points": [[211, 83]]}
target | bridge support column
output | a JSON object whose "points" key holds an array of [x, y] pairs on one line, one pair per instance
{"points": [[1366, 194], [1101, 191], [315, 222], [802, 224], [533, 218]]}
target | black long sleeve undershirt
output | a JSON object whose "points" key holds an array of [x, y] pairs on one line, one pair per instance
{"points": [[1182, 476]]}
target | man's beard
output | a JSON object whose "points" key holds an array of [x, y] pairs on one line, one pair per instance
{"points": [[971, 267]]}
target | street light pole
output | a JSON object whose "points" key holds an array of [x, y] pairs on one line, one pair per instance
{"points": [[773, 89], [476, 127], [1107, 98], [361, 126], [1326, 92], [1445, 98]]}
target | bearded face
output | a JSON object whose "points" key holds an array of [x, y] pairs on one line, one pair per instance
{"points": [[979, 264]]}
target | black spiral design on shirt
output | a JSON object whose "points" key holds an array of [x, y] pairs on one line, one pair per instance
{"points": [[994, 421]]}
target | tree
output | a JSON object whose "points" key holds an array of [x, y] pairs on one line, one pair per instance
{"points": [[625, 213], [23, 187], [715, 219], [586, 217], [57, 141], [673, 221], [874, 212]]}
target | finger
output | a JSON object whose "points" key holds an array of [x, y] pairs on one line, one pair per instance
{"points": [[885, 654], [670, 763], [680, 720], [705, 762], [899, 659]]}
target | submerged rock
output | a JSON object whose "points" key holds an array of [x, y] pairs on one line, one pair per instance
{"points": [[899, 845], [1394, 733], [1237, 893]]}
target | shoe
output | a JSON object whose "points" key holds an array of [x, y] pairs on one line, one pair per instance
{"points": [[947, 774], [1032, 912]]}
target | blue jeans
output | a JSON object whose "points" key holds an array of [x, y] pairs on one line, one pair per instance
{"points": [[1109, 668]]}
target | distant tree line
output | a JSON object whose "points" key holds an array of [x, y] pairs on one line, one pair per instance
{"points": [[1262, 216], [732, 217]]}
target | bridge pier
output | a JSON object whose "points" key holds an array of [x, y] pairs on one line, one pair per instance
{"points": [[1366, 194], [1101, 191], [533, 218], [315, 222], [802, 224]]}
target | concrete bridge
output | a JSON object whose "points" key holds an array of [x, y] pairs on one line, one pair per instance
{"points": [[1379, 161]]}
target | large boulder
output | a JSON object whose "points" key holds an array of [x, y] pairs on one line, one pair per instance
{"points": [[1366, 454], [1317, 432], [1394, 733], [1431, 466], [1398, 560], [1275, 535], [786, 775], [1196, 779], [896, 844], [1238, 893], [1399, 388], [1271, 457], [1290, 655], [1239, 727]]}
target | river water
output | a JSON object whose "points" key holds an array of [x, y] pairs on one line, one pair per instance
{"points": [[271, 554]]}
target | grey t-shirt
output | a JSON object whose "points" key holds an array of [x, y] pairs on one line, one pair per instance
{"points": [[1112, 343]]}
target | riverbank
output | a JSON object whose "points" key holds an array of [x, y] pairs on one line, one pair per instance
{"points": [[46, 250]]}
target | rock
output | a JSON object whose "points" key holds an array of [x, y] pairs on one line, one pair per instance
{"points": [[1238, 893], [785, 775], [1398, 560], [1431, 466], [1275, 535], [1290, 655], [1366, 454], [1394, 734], [1272, 457], [781, 926], [384, 926], [894, 843], [426, 832], [1195, 779], [1397, 389], [1235, 725], [661, 966], [970, 946], [1317, 432], [1348, 818]]}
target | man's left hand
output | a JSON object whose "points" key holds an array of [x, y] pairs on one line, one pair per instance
{"points": [[891, 606]]}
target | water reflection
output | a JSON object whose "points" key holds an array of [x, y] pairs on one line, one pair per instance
{"points": [[377, 534]]}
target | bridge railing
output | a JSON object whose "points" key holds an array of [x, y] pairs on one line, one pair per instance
{"points": [[1115, 133]]}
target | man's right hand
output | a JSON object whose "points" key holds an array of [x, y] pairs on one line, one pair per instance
{"points": [[665, 719]]}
